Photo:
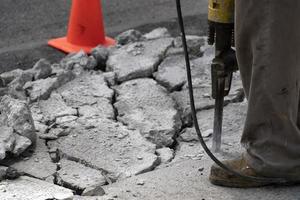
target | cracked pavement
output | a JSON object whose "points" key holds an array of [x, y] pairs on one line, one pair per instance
{"points": [[126, 133]]}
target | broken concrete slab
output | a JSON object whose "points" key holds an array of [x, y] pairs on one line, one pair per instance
{"points": [[40, 89], [171, 73], [112, 148], [86, 90], [55, 107], [138, 60], [26, 188], [36, 162], [16, 114], [144, 105], [157, 33], [90, 96], [78, 177]]}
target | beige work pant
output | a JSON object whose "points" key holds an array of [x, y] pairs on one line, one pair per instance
{"points": [[268, 51]]}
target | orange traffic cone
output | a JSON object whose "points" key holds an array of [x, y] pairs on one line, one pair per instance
{"points": [[86, 28]]}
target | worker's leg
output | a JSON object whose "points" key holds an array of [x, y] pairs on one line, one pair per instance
{"points": [[268, 51]]}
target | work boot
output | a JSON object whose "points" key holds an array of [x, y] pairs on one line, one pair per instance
{"points": [[219, 176]]}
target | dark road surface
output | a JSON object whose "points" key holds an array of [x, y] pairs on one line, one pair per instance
{"points": [[26, 25]]}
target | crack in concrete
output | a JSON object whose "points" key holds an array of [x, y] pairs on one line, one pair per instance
{"points": [[104, 172]]}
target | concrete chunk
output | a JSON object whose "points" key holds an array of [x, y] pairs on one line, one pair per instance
{"points": [[86, 90], [138, 60], [37, 164], [21, 144], [171, 73], [16, 114], [111, 147], [42, 69], [77, 176], [26, 188], [144, 105], [7, 140], [129, 37], [55, 107]]}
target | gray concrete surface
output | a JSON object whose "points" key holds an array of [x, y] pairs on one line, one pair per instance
{"points": [[26, 25], [103, 144]]}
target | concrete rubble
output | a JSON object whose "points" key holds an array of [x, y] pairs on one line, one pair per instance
{"points": [[77, 176], [138, 60], [117, 124], [144, 105], [36, 162]]}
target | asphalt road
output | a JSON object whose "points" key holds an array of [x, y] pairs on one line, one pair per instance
{"points": [[26, 25]]}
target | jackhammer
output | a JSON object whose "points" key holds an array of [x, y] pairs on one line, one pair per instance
{"points": [[221, 34]]}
